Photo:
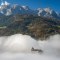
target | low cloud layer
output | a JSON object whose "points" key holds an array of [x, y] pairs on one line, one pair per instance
{"points": [[18, 43], [51, 46], [15, 47]]}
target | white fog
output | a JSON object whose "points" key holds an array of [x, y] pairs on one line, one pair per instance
{"points": [[18, 47]]}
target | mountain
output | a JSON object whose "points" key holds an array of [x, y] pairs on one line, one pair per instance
{"points": [[8, 9], [47, 12], [39, 23], [35, 26]]}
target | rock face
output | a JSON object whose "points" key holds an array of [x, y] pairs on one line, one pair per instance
{"points": [[35, 26]]}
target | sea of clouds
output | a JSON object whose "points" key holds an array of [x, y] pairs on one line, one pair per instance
{"points": [[18, 47]]}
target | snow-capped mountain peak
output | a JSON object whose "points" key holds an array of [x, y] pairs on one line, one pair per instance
{"points": [[5, 3], [25, 7], [41, 12], [8, 9], [40, 9], [48, 10]]}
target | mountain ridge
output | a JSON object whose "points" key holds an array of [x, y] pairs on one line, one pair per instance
{"points": [[8, 9]]}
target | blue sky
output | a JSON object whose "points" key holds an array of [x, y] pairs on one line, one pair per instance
{"points": [[33, 4]]}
